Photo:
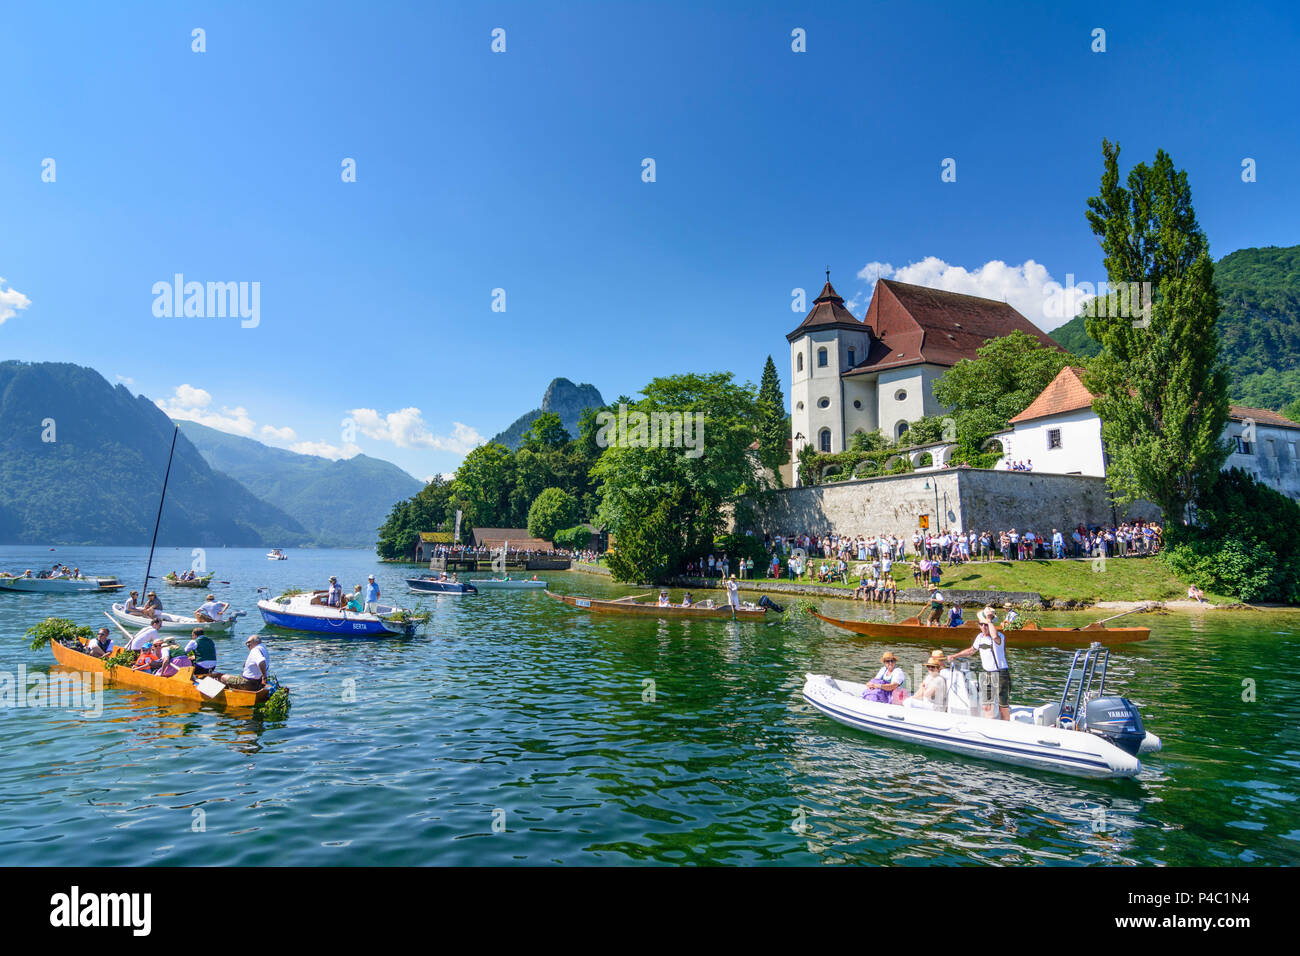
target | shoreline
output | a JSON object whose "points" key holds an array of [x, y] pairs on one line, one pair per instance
{"points": [[1021, 600]]}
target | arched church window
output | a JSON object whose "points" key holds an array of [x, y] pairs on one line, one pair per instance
{"points": [[900, 429], [821, 358], [798, 362], [824, 439], [799, 407]]}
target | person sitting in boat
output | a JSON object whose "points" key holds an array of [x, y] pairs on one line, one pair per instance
{"points": [[991, 645], [146, 635], [934, 689], [76, 573], [934, 609], [687, 600], [151, 603], [356, 603], [334, 597], [56, 572], [954, 616], [202, 651], [151, 657], [132, 605], [27, 573], [254, 674], [663, 599], [101, 645], [211, 611], [888, 679]]}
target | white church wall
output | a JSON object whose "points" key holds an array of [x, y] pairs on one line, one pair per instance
{"points": [[1079, 451]]}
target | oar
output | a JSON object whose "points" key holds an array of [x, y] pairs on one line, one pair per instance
{"points": [[1111, 618], [129, 636], [633, 597]]}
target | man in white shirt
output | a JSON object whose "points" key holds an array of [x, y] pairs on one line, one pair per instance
{"points": [[211, 610], [733, 593], [991, 645], [256, 665], [145, 638]]}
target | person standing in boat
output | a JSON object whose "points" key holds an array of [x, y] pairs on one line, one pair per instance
{"points": [[372, 596], [334, 597], [991, 645], [733, 593]]}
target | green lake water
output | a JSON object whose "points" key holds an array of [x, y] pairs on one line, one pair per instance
{"points": [[511, 709]]}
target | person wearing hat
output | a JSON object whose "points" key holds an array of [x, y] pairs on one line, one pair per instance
{"points": [[733, 593], [888, 679], [687, 600], [202, 651], [151, 603], [991, 645], [934, 689], [934, 609], [663, 598], [334, 597], [211, 611], [372, 596]]}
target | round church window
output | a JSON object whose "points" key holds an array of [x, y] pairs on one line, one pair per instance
{"points": [[900, 395], [823, 403]]}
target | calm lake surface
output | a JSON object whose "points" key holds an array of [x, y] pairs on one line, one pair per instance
{"points": [[510, 707]]}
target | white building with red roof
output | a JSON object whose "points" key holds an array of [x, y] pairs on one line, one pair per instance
{"points": [[877, 374]]}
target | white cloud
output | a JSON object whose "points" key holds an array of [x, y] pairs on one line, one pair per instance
{"points": [[406, 429], [11, 300], [191, 404], [1029, 288], [126, 379], [271, 433], [324, 449]]}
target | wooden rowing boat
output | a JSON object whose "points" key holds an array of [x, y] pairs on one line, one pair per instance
{"points": [[1028, 634], [622, 606], [179, 685], [202, 582]]}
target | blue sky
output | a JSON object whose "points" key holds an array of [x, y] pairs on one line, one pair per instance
{"points": [[522, 171]]}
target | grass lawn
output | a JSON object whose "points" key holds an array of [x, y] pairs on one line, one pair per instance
{"points": [[1132, 579]]}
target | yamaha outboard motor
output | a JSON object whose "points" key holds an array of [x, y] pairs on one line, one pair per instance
{"points": [[769, 604], [1116, 719]]}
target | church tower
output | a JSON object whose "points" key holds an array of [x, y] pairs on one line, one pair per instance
{"points": [[828, 342]]}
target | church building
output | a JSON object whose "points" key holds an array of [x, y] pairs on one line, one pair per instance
{"points": [[877, 374]]}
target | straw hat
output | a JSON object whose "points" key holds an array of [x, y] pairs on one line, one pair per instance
{"points": [[937, 659], [987, 616], [888, 656]]}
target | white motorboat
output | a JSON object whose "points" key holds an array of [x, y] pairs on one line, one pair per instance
{"points": [[59, 585], [275, 554], [507, 584], [1085, 733], [177, 623]]}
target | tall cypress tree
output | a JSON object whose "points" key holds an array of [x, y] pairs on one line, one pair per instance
{"points": [[1162, 391], [773, 424]]}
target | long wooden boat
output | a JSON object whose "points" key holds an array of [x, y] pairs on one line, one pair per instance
{"points": [[181, 684], [202, 582], [1028, 634], [721, 612], [87, 582]]}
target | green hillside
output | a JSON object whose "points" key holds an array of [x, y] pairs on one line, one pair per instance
{"points": [[339, 503], [1259, 292], [98, 481]]}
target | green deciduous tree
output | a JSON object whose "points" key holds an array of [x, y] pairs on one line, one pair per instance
{"points": [[665, 505], [1161, 388], [552, 510], [430, 509]]}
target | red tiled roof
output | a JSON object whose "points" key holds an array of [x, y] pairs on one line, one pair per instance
{"points": [[1065, 393], [1261, 416], [828, 312], [913, 324]]}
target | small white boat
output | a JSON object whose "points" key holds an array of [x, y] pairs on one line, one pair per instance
{"points": [[306, 611], [61, 585], [1104, 740], [177, 623], [507, 584], [275, 554]]}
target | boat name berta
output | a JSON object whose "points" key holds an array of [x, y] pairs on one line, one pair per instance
{"points": [[193, 300], [83, 692], [72, 909]]}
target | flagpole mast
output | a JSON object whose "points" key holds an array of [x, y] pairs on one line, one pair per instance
{"points": [[161, 498]]}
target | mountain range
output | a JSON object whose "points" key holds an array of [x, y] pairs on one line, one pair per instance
{"points": [[1259, 325], [563, 398], [82, 463]]}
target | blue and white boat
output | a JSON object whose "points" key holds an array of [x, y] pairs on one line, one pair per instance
{"points": [[307, 611], [431, 585]]}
